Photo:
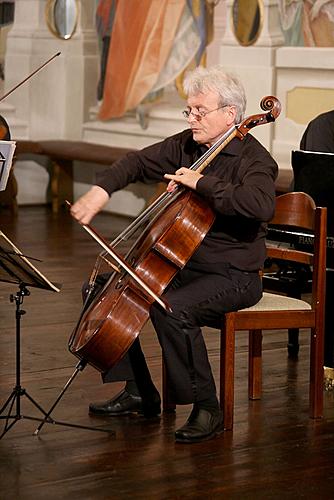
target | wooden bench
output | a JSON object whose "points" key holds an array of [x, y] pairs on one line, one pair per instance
{"points": [[61, 155]]}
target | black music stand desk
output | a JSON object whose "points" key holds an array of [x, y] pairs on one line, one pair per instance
{"points": [[16, 268]]}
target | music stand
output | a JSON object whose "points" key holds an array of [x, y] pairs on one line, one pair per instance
{"points": [[16, 268]]}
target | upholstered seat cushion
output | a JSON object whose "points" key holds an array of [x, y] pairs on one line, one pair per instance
{"points": [[273, 302]]}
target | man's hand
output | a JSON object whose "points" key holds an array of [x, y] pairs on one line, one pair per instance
{"points": [[184, 176], [89, 204]]}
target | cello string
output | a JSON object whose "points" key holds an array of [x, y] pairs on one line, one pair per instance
{"points": [[124, 265]]}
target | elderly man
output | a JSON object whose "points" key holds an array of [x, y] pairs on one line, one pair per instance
{"points": [[223, 273]]}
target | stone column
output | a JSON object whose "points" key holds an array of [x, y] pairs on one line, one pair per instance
{"points": [[55, 102]]}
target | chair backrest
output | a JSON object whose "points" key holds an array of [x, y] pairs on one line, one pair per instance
{"points": [[297, 212]]}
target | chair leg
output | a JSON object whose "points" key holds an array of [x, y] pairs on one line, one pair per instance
{"points": [[293, 333], [227, 348], [255, 364], [316, 372], [293, 342], [168, 405]]}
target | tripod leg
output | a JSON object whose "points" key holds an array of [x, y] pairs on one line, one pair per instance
{"points": [[10, 402], [11, 397]]}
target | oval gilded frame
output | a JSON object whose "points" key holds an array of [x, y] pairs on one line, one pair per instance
{"points": [[247, 29], [54, 25]]}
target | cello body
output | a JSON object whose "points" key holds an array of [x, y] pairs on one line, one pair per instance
{"points": [[112, 322]]}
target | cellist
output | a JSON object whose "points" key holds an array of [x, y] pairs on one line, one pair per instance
{"points": [[223, 273]]}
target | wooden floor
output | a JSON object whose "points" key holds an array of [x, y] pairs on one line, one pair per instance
{"points": [[275, 450]]}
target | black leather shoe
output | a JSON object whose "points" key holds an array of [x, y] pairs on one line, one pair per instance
{"points": [[200, 426], [125, 403]]}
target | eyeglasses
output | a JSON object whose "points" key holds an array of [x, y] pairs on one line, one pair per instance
{"points": [[198, 115]]}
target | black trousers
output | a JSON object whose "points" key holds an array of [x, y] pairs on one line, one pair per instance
{"points": [[197, 299]]}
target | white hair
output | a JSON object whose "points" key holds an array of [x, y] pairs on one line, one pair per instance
{"points": [[228, 87]]}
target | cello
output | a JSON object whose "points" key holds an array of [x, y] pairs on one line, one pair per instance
{"points": [[179, 221]]}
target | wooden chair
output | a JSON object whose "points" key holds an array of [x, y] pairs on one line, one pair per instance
{"points": [[298, 211], [276, 312]]}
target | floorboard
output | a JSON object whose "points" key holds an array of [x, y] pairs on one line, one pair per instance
{"points": [[274, 451]]}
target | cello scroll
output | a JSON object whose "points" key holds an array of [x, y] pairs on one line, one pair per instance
{"points": [[270, 104]]}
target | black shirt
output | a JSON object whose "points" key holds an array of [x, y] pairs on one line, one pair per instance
{"points": [[239, 185]]}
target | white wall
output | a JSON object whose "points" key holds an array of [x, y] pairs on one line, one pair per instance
{"points": [[60, 102], [55, 102]]}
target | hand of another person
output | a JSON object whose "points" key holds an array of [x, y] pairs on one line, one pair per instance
{"points": [[86, 207], [184, 176]]}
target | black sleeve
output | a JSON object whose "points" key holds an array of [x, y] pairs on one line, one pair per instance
{"points": [[148, 165]]}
